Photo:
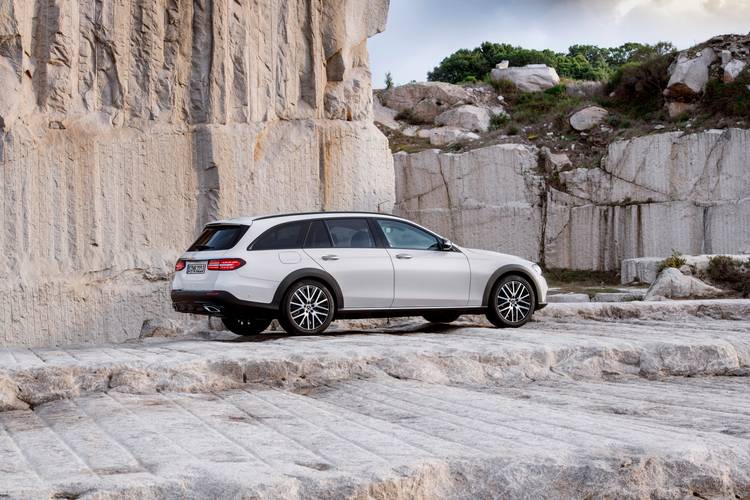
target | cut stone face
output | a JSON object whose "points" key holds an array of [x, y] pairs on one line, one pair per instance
{"points": [[124, 154]]}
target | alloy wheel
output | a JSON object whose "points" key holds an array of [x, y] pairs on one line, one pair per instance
{"points": [[309, 307], [513, 301]]}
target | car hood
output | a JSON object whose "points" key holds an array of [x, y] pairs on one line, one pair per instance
{"points": [[490, 255]]}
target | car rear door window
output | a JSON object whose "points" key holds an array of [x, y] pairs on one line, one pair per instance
{"points": [[317, 236], [405, 236], [218, 237], [284, 237], [350, 233]]}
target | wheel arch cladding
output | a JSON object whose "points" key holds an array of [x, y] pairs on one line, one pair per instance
{"points": [[504, 271], [312, 274]]}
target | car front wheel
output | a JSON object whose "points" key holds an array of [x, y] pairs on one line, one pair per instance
{"points": [[307, 308], [512, 302], [244, 326]]}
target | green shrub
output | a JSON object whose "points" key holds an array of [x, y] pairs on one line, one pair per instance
{"points": [[388, 80], [499, 121], [512, 130], [530, 106], [728, 99], [730, 273], [557, 90], [638, 86], [505, 87], [675, 260]]}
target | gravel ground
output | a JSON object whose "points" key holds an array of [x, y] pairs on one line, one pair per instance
{"points": [[575, 405]]}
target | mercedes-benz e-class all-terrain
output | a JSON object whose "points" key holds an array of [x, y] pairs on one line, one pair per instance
{"points": [[307, 270]]}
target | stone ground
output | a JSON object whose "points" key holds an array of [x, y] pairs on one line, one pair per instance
{"points": [[602, 400]]}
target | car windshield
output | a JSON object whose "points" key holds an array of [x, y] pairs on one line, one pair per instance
{"points": [[218, 237]]}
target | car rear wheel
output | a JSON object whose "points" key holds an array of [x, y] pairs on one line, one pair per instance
{"points": [[511, 303], [441, 317], [245, 326], [307, 308]]}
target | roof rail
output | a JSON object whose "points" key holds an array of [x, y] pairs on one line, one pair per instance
{"points": [[353, 212]]}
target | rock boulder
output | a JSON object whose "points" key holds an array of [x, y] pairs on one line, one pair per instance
{"points": [[588, 118], [424, 101], [531, 78], [443, 136], [672, 284], [688, 76], [467, 117]]}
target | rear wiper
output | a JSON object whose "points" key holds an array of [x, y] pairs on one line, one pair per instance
{"points": [[203, 247]]}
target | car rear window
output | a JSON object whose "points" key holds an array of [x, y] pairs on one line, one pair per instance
{"points": [[218, 237], [284, 237]]}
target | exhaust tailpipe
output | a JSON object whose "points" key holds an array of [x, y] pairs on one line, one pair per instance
{"points": [[212, 309]]}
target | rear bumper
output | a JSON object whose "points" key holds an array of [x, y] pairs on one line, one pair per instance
{"points": [[221, 304]]}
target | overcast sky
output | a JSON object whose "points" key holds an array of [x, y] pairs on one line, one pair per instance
{"points": [[421, 33]]}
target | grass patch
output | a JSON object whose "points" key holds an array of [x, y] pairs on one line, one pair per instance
{"points": [[676, 260], [550, 105]]}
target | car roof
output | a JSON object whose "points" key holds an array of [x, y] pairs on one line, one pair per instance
{"points": [[280, 218]]}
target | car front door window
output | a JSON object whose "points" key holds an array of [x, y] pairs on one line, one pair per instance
{"points": [[406, 236]]}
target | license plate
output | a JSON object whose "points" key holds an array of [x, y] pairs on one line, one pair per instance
{"points": [[196, 267]]}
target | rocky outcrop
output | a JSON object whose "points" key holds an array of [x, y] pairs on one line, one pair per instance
{"points": [[651, 195], [673, 284], [128, 125], [530, 78], [424, 101], [722, 58], [646, 269]]}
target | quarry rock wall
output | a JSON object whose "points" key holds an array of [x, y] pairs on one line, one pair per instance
{"points": [[649, 196], [125, 126]]}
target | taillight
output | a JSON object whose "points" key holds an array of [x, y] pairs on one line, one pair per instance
{"points": [[180, 265], [225, 264]]}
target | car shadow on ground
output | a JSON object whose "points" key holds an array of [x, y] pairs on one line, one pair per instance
{"points": [[411, 329]]}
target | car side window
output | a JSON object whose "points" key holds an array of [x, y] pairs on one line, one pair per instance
{"points": [[317, 236], [350, 233], [402, 235], [284, 237]]}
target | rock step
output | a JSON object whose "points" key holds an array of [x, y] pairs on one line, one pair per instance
{"points": [[560, 346], [387, 438]]}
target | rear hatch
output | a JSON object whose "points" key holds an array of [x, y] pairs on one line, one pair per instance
{"points": [[215, 242]]}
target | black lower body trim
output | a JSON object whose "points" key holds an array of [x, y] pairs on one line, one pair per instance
{"points": [[403, 313], [224, 304], [221, 304]]}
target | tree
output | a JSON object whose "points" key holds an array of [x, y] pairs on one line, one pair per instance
{"points": [[583, 62], [388, 80]]}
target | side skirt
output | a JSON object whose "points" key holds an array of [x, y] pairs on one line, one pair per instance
{"points": [[403, 313]]}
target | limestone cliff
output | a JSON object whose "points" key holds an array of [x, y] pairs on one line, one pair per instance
{"points": [[650, 195], [125, 126]]}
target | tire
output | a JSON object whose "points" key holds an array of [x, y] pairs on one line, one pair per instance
{"points": [[307, 309], [511, 302], [441, 317], [244, 326]]}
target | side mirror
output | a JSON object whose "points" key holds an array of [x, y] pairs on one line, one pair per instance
{"points": [[447, 245]]}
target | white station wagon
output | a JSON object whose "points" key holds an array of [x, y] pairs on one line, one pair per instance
{"points": [[306, 270]]}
